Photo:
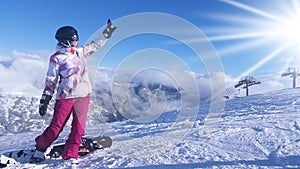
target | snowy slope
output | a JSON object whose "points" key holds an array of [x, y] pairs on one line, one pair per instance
{"points": [[259, 131]]}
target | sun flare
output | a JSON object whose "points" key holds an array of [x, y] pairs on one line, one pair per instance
{"points": [[288, 31], [277, 29]]}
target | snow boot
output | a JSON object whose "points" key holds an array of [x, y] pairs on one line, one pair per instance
{"points": [[72, 161]]}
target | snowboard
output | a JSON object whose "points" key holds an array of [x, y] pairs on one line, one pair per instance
{"points": [[87, 146]]}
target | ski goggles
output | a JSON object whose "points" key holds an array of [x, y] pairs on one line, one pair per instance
{"points": [[74, 37]]}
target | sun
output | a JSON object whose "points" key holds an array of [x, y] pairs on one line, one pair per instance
{"points": [[288, 31], [279, 27]]}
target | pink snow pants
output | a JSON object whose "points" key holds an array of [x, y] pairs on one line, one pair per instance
{"points": [[63, 109]]}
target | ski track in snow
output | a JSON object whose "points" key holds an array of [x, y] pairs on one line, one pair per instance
{"points": [[258, 131]]}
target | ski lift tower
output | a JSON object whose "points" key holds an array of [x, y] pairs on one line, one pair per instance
{"points": [[247, 81], [293, 73]]}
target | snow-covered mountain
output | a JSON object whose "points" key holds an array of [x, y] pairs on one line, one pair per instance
{"points": [[258, 131], [19, 112]]}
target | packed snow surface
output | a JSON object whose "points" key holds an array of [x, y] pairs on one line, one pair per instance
{"points": [[258, 131]]}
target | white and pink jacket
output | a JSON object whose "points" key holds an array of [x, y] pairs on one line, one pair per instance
{"points": [[68, 69]]}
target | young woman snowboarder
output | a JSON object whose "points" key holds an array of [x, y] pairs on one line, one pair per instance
{"points": [[68, 71]]}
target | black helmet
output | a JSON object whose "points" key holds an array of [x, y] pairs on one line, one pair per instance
{"points": [[66, 34]]}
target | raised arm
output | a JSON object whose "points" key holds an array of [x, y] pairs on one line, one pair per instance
{"points": [[94, 45]]}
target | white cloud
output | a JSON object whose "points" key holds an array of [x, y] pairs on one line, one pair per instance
{"points": [[25, 73], [5, 59], [32, 54]]}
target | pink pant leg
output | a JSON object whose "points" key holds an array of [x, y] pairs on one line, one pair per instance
{"points": [[79, 112], [62, 111]]}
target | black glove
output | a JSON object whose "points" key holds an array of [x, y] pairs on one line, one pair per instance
{"points": [[109, 29], [44, 104]]}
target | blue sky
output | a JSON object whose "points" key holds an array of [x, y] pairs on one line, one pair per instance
{"points": [[248, 35]]}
